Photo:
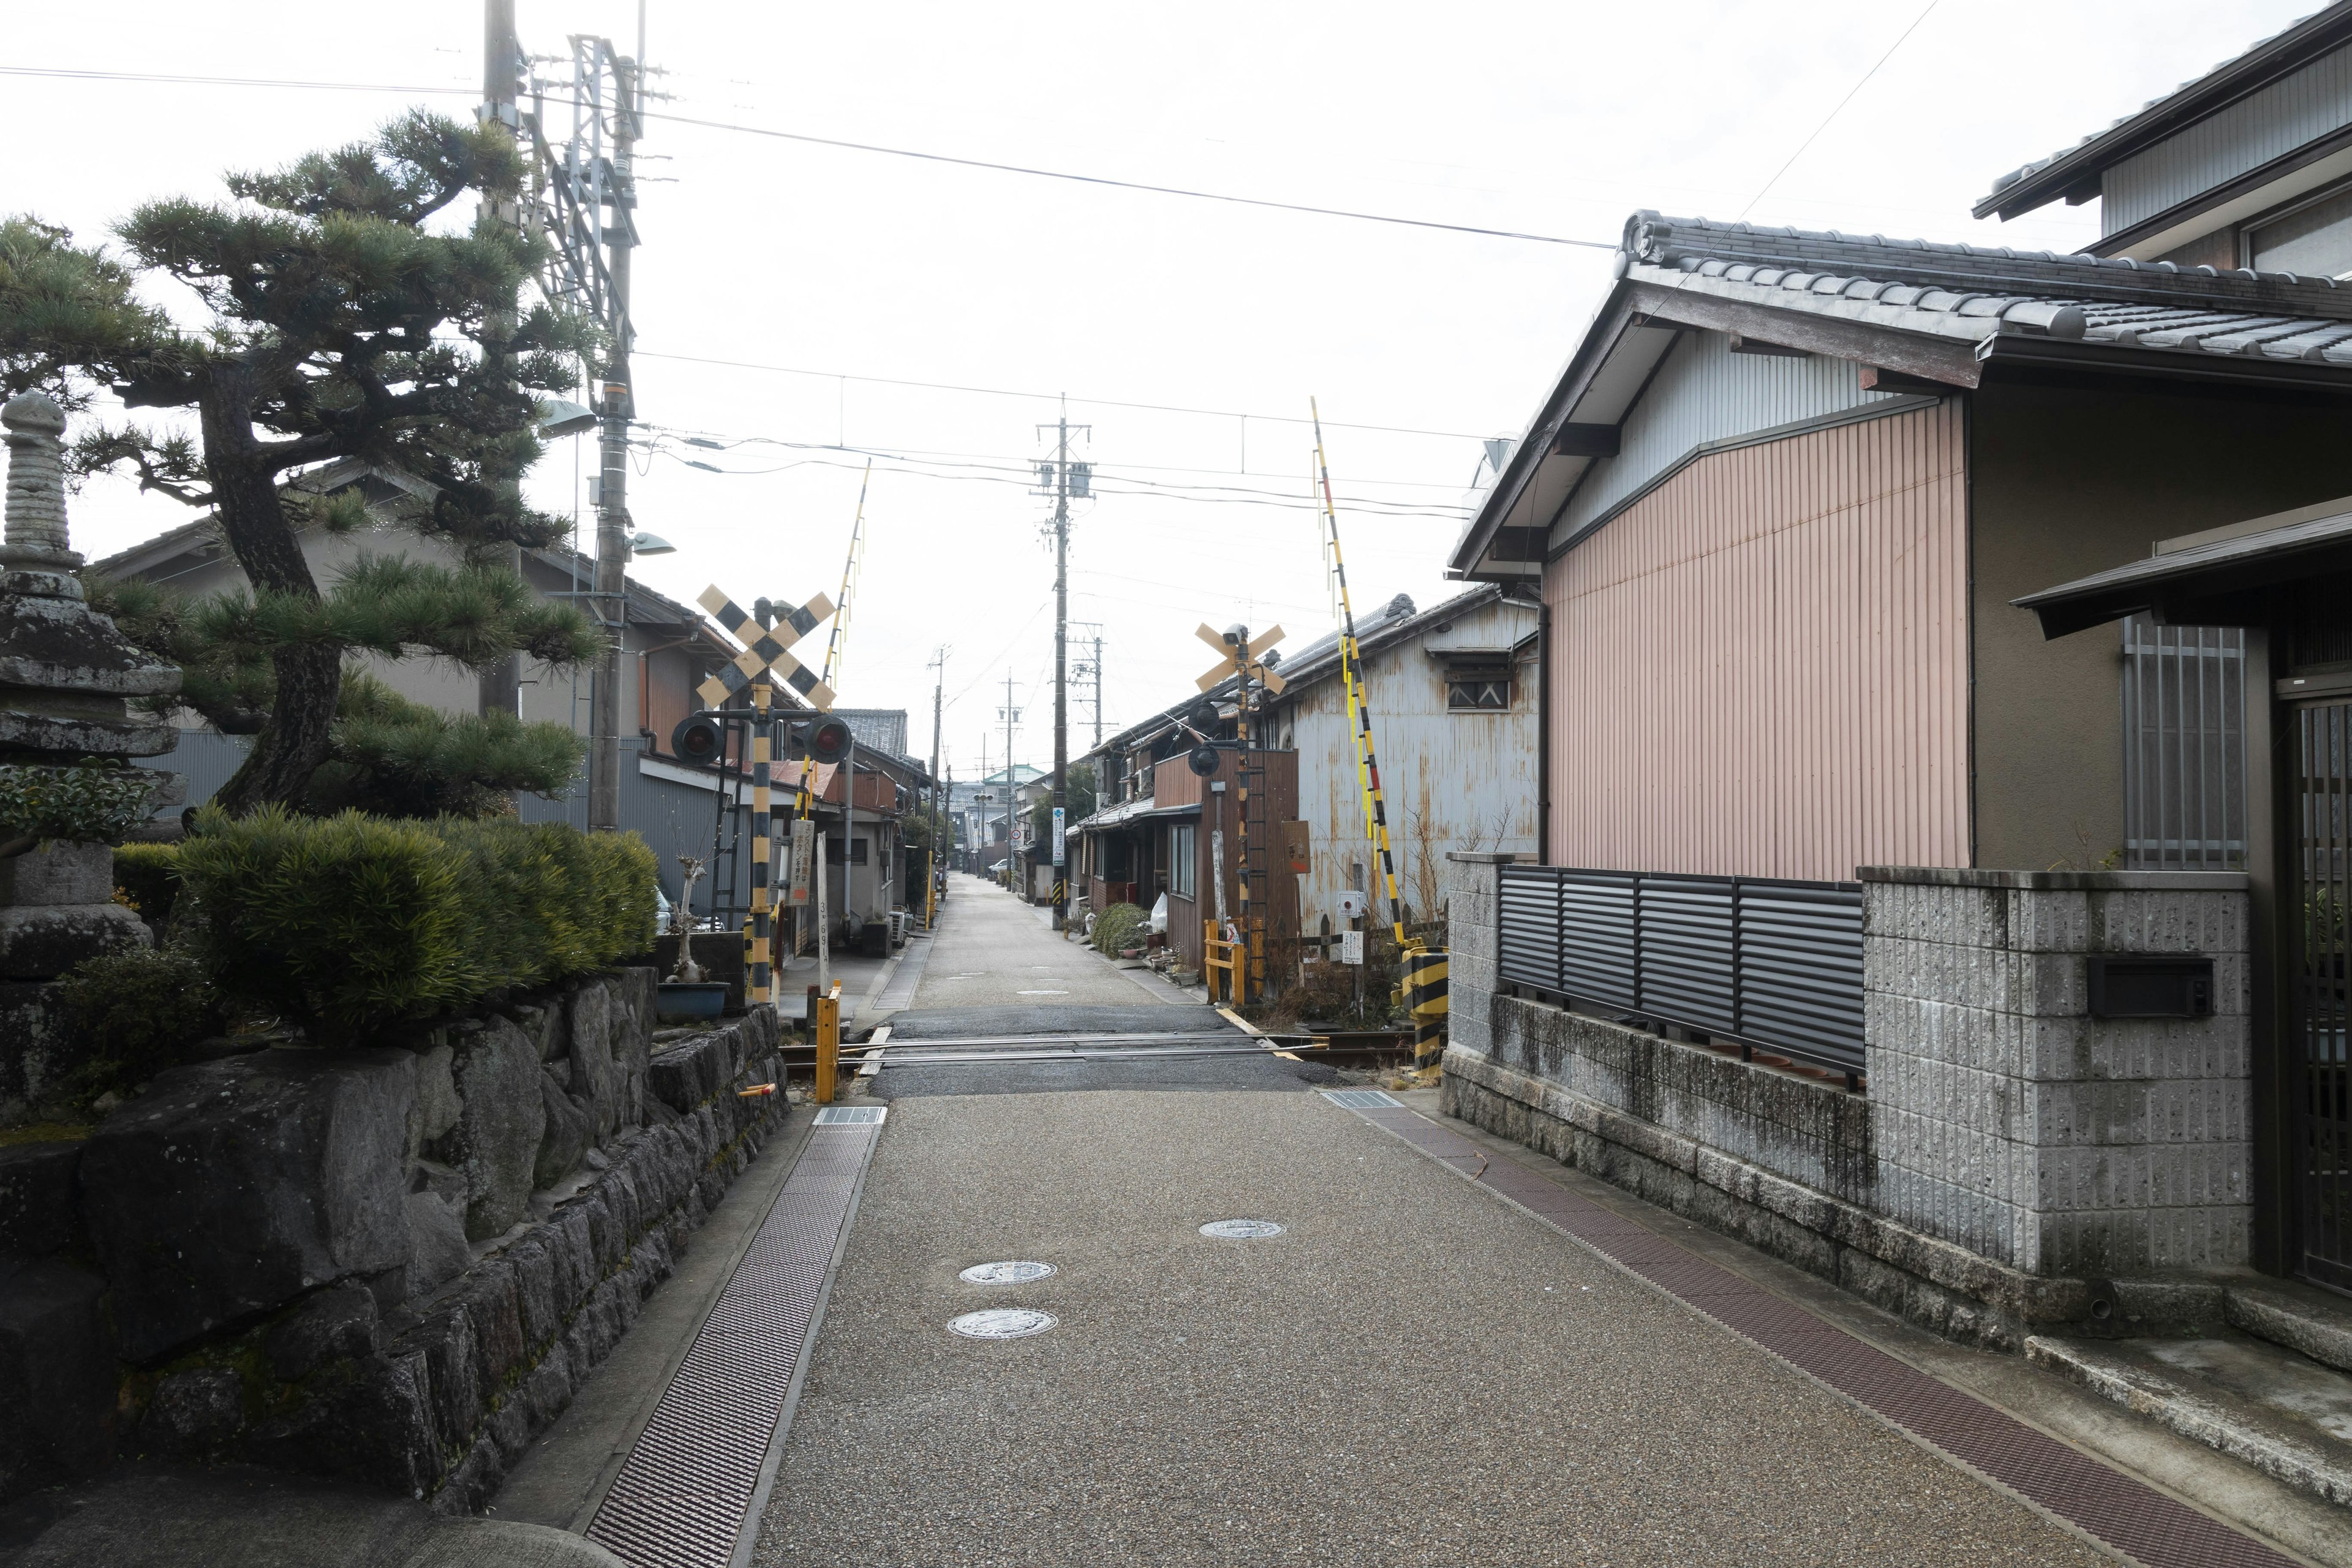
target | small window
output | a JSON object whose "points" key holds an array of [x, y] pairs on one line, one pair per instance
{"points": [[1467, 693], [832, 851], [2313, 240], [1182, 851]]}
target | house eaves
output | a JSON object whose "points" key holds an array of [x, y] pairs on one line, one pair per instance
{"points": [[2075, 173], [1932, 315]]}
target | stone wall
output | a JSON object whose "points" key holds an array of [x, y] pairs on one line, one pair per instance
{"points": [[392, 1265], [2009, 1120], [2014, 1163]]}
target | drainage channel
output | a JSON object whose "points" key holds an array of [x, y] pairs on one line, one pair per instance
{"points": [[2111, 1508], [691, 1484]]}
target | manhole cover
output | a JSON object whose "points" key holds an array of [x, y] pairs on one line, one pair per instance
{"points": [[1019, 1273], [1241, 1229], [1003, 1323]]}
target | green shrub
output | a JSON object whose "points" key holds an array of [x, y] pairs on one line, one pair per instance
{"points": [[1117, 928], [149, 876], [346, 923], [139, 1010]]}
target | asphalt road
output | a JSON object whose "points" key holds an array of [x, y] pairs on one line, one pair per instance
{"points": [[1412, 1373], [997, 969]]}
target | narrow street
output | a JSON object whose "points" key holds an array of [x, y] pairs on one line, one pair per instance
{"points": [[1412, 1371]]}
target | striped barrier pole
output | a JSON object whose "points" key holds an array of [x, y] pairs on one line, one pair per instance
{"points": [[1424, 999], [763, 740]]}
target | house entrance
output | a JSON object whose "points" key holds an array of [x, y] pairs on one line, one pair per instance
{"points": [[2317, 967]]}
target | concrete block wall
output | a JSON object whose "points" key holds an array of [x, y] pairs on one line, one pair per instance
{"points": [[1473, 946], [2008, 1120]]}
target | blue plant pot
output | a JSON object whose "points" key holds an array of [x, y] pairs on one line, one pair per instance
{"points": [[690, 999]]}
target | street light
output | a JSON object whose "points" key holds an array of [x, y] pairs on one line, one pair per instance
{"points": [[651, 544], [559, 417]]}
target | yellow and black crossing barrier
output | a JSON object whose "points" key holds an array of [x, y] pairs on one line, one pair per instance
{"points": [[1424, 992]]}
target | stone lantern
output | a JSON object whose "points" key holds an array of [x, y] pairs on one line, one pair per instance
{"points": [[67, 676]]}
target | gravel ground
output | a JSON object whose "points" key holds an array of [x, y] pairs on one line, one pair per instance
{"points": [[1415, 1374]]}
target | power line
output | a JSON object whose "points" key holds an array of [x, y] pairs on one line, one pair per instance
{"points": [[1102, 180], [1053, 396], [1833, 113]]}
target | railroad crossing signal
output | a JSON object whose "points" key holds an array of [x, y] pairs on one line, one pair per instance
{"points": [[1227, 642], [764, 651], [764, 658]]}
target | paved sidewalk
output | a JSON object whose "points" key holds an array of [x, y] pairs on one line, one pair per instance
{"points": [[1412, 1373]]}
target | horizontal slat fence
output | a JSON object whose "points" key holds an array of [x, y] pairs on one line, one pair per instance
{"points": [[1756, 960]]}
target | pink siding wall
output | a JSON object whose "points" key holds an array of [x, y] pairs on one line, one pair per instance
{"points": [[1761, 668]]}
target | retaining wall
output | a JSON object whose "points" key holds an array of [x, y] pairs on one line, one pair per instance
{"points": [[392, 1266]]}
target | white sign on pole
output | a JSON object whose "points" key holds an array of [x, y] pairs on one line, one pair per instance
{"points": [[803, 845], [1057, 835], [1351, 947]]}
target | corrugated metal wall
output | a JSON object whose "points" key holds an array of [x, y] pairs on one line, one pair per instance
{"points": [[1761, 669], [1453, 781], [1705, 392], [2251, 132]]}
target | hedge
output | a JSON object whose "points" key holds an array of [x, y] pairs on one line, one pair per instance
{"points": [[149, 876], [346, 923]]}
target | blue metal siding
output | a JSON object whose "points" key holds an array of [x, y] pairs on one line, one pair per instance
{"points": [[1703, 392], [2262, 126]]}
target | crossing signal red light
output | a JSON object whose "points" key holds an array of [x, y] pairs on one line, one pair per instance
{"points": [[822, 739], [700, 740]]}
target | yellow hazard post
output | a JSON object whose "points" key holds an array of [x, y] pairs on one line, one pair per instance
{"points": [[828, 1043], [1422, 988]]}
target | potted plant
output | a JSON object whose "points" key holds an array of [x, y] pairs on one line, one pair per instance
{"points": [[686, 994]]}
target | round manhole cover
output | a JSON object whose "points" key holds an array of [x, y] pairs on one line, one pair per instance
{"points": [[1241, 1229], [1019, 1273], [1003, 1323]]}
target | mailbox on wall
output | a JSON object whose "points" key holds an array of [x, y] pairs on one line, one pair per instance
{"points": [[2150, 986]]}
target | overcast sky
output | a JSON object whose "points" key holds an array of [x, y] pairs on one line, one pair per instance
{"points": [[1558, 119]]}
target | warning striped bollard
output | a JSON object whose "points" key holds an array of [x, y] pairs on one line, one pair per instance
{"points": [[1424, 999]]}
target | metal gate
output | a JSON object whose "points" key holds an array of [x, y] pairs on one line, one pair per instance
{"points": [[2317, 964]]}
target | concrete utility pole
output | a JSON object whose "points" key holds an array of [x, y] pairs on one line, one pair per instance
{"points": [[1099, 701], [1011, 714], [1061, 666], [939, 801], [611, 491], [500, 689]]}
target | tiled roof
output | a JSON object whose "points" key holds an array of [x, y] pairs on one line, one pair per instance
{"points": [[1976, 293], [2292, 46]]}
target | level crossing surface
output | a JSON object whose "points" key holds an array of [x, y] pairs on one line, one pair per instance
{"points": [[1412, 1371]]}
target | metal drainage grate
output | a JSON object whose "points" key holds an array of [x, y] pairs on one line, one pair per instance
{"points": [[1241, 1229], [1016, 1273], [684, 1493], [1362, 1099], [1003, 1323], [851, 1116]]}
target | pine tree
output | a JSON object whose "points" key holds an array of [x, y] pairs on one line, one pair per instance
{"points": [[342, 324]]}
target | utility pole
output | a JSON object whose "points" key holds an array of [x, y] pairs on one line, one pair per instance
{"points": [[1012, 716], [617, 405], [939, 663], [1097, 670], [1061, 669], [500, 687], [1062, 482]]}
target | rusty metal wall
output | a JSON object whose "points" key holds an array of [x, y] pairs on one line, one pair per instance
{"points": [[1761, 668], [1453, 781]]}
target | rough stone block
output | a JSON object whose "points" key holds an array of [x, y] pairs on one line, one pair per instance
{"points": [[570, 1131], [35, 1054], [194, 1414], [57, 1376], [231, 1187], [501, 1120], [39, 1212], [58, 872], [436, 1238], [338, 1323], [41, 942]]}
